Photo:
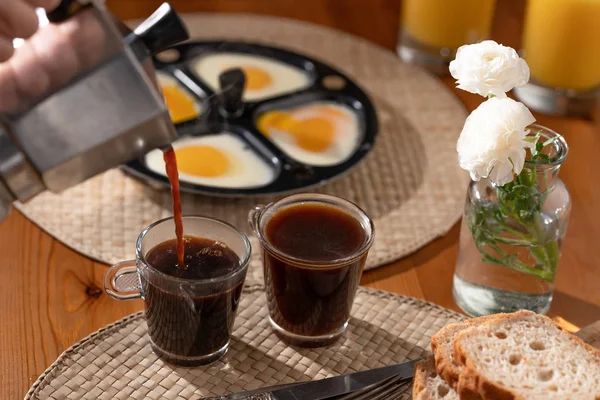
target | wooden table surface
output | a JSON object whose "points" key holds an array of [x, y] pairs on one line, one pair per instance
{"points": [[51, 296]]}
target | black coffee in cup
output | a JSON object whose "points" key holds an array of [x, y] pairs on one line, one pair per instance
{"points": [[183, 322], [310, 293]]}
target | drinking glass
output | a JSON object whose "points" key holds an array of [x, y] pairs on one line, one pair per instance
{"points": [[561, 44], [432, 30], [189, 320], [310, 301]]}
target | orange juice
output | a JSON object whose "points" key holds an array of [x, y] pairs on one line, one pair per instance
{"points": [[447, 23], [562, 43]]}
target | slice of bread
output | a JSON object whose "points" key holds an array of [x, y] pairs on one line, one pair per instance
{"points": [[427, 385], [525, 356], [442, 344]]}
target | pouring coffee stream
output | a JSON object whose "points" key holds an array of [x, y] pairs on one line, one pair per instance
{"points": [[173, 174], [232, 82]]}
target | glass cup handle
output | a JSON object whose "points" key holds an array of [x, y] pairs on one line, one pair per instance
{"points": [[118, 272], [253, 217]]}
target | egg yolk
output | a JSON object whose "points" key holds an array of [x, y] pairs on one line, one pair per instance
{"points": [[315, 134], [204, 161], [279, 120], [256, 78], [181, 105]]}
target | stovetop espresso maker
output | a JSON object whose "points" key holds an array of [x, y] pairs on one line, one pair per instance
{"points": [[108, 114]]}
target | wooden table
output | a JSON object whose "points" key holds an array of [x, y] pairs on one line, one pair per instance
{"points": [[51, 296]]}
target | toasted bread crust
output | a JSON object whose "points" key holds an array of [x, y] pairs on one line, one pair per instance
{"points": [[420, 378], [428, 385], [473, 383], [447, 368], [467, 388], [472, 386]]}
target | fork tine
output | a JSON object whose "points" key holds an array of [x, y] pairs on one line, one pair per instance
{"points": [[398, 392], [368, 389], [368, 392], [389, 393], [405, 392]]}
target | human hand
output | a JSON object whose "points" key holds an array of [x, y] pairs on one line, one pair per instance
{"points": [[49, 58], [18, 19]]}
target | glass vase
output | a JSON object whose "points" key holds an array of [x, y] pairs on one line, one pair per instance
{"points": [[511, 236]]}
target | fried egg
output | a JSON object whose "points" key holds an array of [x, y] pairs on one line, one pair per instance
{"points": [[221, 160], [181, 104], [265, 77], [320, 134]]}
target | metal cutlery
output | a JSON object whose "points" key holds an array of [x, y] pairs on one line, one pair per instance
{"points": [[371, 384], [386, 389]]}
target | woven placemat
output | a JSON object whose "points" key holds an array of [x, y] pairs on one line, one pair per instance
{"points": [[410, 184], [117, 362]]}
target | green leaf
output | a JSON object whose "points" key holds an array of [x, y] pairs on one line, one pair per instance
{"points": [[491, 260], [535, 151], [527, 177], [547, 255], [515, 242], [498, 214], [531, 139]]}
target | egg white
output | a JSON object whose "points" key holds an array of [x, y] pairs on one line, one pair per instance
{"points": [[346, 137], [166, 80], [247, 169], [285, 78]]}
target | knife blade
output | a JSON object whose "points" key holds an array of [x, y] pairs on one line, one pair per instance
{"points": [[325, 388]]}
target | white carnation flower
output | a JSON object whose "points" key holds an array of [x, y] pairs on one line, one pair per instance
{"points": [[488, 68], [493, 141]]}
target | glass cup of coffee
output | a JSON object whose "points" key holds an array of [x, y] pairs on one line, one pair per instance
{"points": [[314, 249], [190, 311]]}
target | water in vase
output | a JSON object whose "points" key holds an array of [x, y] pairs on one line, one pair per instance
{"points": [[483, 287]]}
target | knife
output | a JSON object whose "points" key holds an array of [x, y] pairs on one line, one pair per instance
{"points": [[324, 388]]}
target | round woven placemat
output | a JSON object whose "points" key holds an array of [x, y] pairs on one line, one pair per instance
{"points": [[117, 362], [410, 184]]}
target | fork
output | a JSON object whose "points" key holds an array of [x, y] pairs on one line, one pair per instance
{"points": [[390, 388], [385, 389]]}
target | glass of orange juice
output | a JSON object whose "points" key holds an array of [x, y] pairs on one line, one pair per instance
{"points": [[432, 30], [561, 43]]}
